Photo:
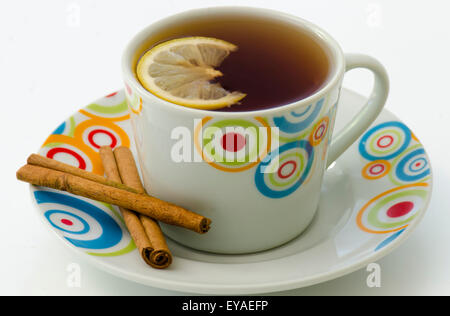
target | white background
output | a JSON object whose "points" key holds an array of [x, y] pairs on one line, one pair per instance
{"points": [[59, 55]]}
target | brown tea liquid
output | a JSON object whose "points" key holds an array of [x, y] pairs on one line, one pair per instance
{"points": [[275, 64]]}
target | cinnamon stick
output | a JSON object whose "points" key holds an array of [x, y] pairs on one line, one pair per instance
{"points": [[131, 219], [38, 160], [161, 256], [144, 204]]}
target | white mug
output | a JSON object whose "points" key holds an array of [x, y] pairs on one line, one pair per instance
{"points": [[255, 204]]}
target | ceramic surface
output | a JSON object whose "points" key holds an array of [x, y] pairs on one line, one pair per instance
{"points": [[254, 162], [372, 198]]}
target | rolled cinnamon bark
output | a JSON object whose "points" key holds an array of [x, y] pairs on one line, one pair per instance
{"points": [[38, 160], [144, 204], [131, 219], [161, 256]]}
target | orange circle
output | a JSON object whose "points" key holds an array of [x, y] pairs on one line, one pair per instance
{"points": [[361, 211], [80, 128], [96, 162], [366, 168], [312, 140]]}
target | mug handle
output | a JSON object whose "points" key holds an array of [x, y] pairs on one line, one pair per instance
{"points": [[369, 112]]}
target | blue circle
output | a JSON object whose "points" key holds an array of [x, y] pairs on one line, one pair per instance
{"points": [[295, 114], [111, 233], [294, 127], [259, 175], [366, 136], [425, 163], [399, 170], [85, 224]]}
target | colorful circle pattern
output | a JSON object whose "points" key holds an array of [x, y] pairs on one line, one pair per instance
{"points": [[319, 131], [284, 170], [376, 169], [296, 125], [390, 149], [393, 150], [232, 145], [385, 141], [298, 121], [392, 210], [84, 224], [411, 166], [82, 135]]}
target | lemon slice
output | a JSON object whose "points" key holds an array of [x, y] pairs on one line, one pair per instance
{"points": [[181, 71]]}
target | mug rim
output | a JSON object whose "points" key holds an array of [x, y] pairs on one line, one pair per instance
{"points": [[330, 45]]}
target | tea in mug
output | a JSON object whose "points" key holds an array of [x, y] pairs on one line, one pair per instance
{"points": [[274, 64]]}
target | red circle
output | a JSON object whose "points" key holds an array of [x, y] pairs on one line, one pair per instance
{"points": [[52, 152], [67, 222], [290, 162], [400, 209], [417, 164], [321, 128], [377, 165], [391, 140], [233, 142], [102, 131]]}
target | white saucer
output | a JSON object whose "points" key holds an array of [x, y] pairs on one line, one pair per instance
{"points": [[373, 197]]}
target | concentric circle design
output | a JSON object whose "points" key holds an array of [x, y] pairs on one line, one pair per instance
{"points": [[81, 223], [113, 107], [97, 132], [376, 169], [77, 140], [232, 145], [411, 166], [284, 170], [57, 150], [359, 244], [319, 131], [385, 141], [392, 210], [296, 124], [297, 121], [73, 152], [332, 120], [67, 222]]}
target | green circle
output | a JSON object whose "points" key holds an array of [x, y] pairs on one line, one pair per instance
{"points": [[297, 175], [392, 176], [373, 218], [233, 123], [375, 137]]}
